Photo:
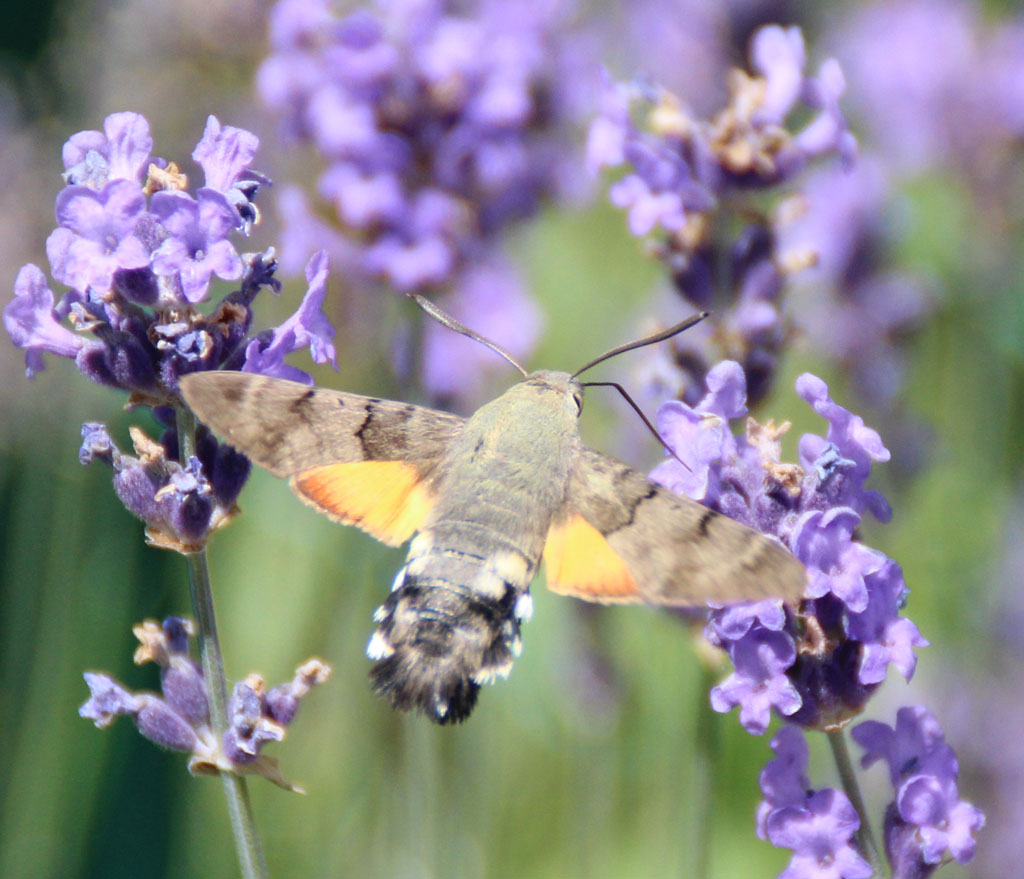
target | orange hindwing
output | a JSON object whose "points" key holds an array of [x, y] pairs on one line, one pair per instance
{"points": [[387, 499], [580, 563]]}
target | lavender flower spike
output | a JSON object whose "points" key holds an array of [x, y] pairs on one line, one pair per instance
{"points": [[139, 257], [819, 666], [686, 180], [179, 720]]}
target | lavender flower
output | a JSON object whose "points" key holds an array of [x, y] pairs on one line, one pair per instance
{"points": [[440, 125], [259, 716], [927, 818], [178, 719], [818, 825], [817, 667], [687, 179], [179, 505], [139, 255]]}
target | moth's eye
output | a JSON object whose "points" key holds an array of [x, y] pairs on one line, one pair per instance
{"points": [[577, 398]]}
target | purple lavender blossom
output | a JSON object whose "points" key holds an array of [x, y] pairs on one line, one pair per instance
{"points": [[784, 780], [33, 323], [120, 152], [927, 819], [759, 682], [259, 716], [153, 717], [96, 234], [225, 154], [818, 825], [440, 125], [176, 503], [816, 667], [687, 177], [820, 834], [197, 246], [178, 719], [117, 251], [308, 327], [818, 664], [139, 256]]}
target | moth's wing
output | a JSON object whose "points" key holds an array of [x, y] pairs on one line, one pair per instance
{"points": [[362, 461], [621, 537]]}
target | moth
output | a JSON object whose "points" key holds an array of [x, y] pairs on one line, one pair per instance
{"points": [[484, 499]]}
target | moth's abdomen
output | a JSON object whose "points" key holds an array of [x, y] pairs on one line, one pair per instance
{"points": [[450, 624]]}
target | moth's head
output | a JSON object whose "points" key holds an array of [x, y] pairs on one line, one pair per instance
{"points": [[557, 385]]}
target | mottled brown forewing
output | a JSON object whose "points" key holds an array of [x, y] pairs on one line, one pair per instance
{"points": [[289, 427], [678, 551]]}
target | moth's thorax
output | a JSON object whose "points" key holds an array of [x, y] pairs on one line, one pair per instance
{"points": [[516, 450]]}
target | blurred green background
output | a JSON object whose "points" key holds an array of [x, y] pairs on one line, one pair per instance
{"points": [[599, 757]]}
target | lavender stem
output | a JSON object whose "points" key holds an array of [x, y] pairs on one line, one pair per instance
{"points": [[247, 838], [865, 838], [705, 764]]}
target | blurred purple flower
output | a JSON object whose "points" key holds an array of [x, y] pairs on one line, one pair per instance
{"points": [[689, 44], [440, 126], [933, 83], [179, 719], [405, 98], [744, 146], [494, 303], [686, 177], [849, 306]]}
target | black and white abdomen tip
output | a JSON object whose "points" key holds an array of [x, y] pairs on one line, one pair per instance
{"points": [[438, 641]]}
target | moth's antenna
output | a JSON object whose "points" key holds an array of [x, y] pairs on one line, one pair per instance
{"points": [[646, 340], [640, 343], [445, 319]]}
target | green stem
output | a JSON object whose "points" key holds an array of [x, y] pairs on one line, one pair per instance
{"points": [[243, 823], [865, 838], [705, 765]]}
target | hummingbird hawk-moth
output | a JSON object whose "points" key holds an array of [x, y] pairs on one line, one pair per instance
{"points": [[484, 499]]}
